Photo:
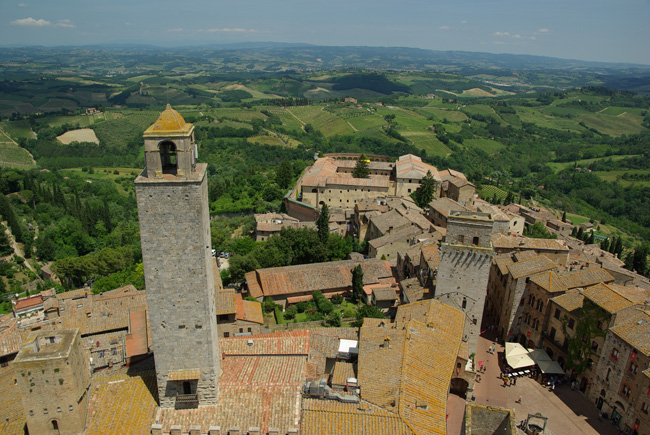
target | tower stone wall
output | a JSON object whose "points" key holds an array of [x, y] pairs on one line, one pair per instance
{"points": [[179, 277], [464, 268], [53, 377]]}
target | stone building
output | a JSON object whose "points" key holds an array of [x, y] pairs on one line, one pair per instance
{"points": [[440, 209], [464, 267], [555, 250], [237, 316], [53, 378], [172, 197], [622, 382], [269, 224]]}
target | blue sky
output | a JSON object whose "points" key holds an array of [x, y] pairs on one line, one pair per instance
{"points": [[595, 30]]}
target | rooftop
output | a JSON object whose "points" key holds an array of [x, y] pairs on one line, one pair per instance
{"points": [[585, 278], [635, 331], [249, 310], [278, 343], [47, 344], [501, 241], [549, 281], [445, 206], [169, 123], [529, 267], [307, 278], [612, 299], [10, 341], [410, 166], [570, 301]]}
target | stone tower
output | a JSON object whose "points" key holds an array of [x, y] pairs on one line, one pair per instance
{"points": [[172, 196], [465, 259], [53, 377]]}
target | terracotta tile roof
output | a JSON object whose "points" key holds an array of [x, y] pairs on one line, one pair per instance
{"points": [[412, 289], [121, 405], [336, 418], [10, 340], [324, 172], [401, 235], [254, 391], [524, 255], [585, 278], [549, 281], [308, 278], [571, 300], [343, 371], [384, 294], [249, 310], [503, 261], [452, 173], [263, 370], [29, 302], [278, 343], [406, 367], [431, 254], [11, 407], [73, 294], [137, 340], [410, 166], [635, 331], [606, 298], [529, 267], [324, 343], [637, 295], [501, 241], [226, 302], [444, 206], [95, 314], [184, 375]]}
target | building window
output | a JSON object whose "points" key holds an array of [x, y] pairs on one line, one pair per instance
{"points": [[615, 353], [475, 241], [460, 239], [644, 407], [633, 368], [609, 371], [571, 323], [226, 334], [250, 330], [464, 303], [557, 313], [626, 391], [552, 334]]}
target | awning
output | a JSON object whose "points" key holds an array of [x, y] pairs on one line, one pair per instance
{"points": [[517, 356], [184, 375], [544, 362]]}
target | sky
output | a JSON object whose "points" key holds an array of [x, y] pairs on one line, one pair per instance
{"points": [[592, 30]]}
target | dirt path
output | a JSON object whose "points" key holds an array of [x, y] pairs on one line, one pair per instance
{"points": [[353, 127], [299, 120], [16, 247]]}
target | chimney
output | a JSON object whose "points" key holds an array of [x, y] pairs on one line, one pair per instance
{"points": [[195, 429], [253, 430], [214, 430], [234, 430], [274, 431], [175, 430], [156, 429]]}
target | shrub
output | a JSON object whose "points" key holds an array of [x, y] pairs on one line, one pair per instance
{"points": [[290, 312], [301, 307], [337, 299]]}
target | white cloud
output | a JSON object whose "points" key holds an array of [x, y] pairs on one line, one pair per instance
{"points": [[516, 36], [235, 30], [177, 29], [444, 28], [501, 33], [463, 22], [65, 23], [22, 5], [31, 22], [498, 42], [543, 31], [533, 38]]}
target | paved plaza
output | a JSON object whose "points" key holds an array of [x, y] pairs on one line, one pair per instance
{"points": [[568, 411]]}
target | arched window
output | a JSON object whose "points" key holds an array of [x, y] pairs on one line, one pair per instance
{"points": [[168, 157], [55, 425]]}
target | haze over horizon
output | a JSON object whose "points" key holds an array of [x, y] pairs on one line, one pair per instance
{"points": [[596, 30]]}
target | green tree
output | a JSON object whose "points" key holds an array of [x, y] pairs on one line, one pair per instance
{"points": [[361, 169], [538, 231], [564, 217], [334, 319], [424, 195], [323, 224], [283, 174], [367, 311], [357, 283]]}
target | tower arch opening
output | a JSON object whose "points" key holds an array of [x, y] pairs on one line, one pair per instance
{"points": [[168, 157]]}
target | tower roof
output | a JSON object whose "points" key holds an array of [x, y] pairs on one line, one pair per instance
{"points": [[169, 123]]}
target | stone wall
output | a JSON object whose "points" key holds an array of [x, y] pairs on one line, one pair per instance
{"points": [[176, 252]]}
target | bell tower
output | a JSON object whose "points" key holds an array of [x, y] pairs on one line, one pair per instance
{"points": [[172, 197]]}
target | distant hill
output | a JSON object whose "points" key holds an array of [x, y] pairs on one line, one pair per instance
{"points": [[283, 57]]}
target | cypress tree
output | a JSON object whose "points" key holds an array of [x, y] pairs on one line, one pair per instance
{"points": [[323, 224]]}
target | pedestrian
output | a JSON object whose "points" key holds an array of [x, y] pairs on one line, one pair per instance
{"points": [[514, 381], [480, 365], [518, 400], [505, 381]]}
